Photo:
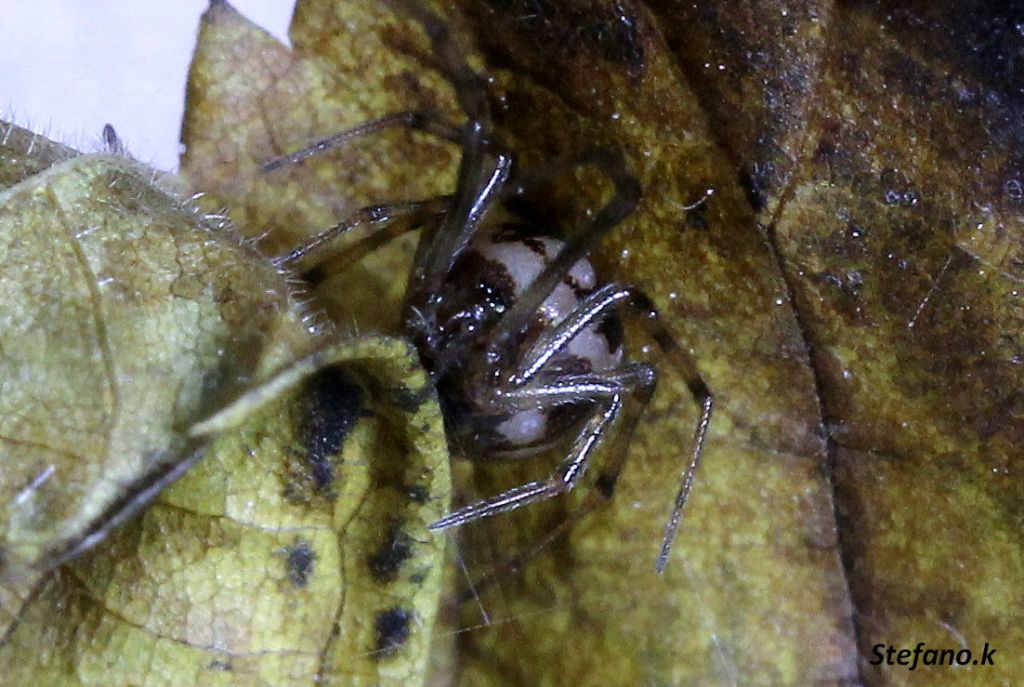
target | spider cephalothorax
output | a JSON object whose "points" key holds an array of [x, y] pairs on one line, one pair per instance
{"points": [[522, 339]]}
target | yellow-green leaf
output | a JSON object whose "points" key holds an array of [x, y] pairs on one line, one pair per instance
{"points": [[138, 336], [294, 553], [125, 317]]}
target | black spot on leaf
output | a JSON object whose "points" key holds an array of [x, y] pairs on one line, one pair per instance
{"points": [[300, 563], [417, 493], [410, 400], [393, 628], [395, 549], [335, 404]]}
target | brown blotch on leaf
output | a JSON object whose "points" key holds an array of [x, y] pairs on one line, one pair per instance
{"points": [[410, 400]]}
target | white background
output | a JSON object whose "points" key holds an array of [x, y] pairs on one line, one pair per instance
{"points": [[67, 67]]}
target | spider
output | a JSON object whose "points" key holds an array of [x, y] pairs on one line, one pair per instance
{"points": [[521, 339]]}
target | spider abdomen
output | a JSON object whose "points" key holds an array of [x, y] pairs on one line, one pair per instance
{"points": [[486, 279]]}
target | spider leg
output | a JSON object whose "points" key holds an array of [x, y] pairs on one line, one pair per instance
{"points": [[525, 393], [549, 391], [481, 174], [562, 480], [604, 488], [435, 257], [702, 396], [420, 120], [335, 262], [591, 309], [605, 389], [381, 216]]}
